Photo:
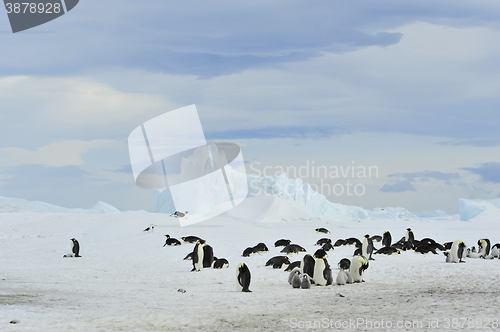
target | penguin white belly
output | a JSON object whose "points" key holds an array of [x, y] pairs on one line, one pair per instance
{"points": [[341, 278], [356, 264], [495, 252], [199, 264], [319, 267]]}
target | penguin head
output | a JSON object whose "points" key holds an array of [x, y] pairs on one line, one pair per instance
{"points": [[168, 236], [215, 258], [186, 212], [367, 236], [408, 229], [201, 241], [320, 253], [73, 239]]}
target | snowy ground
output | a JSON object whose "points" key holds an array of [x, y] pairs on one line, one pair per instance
{"points": [[126, 280]]}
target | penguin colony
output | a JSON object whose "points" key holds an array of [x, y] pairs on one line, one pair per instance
{"points": [[315, 269]]}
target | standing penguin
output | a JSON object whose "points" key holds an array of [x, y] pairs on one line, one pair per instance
{"points": [[358, 265], [409, 237], [367, 247], [75, 249], [341, 278], [243, 277], [322, 272], [208, 256], [292, 274], [307, 265], [387, 239], [349, 280], [296, 281], [198, 254], [457, 251], [306, 283], [484, 247]]}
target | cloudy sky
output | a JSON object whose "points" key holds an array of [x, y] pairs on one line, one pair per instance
{"points": [[411, 87]]}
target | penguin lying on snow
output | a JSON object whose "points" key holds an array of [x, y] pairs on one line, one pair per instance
{"points": [[191, 239], [425, 250], [322, 241], [171, 241], [293, 249], [322, 230], [282, 243], [292, 266], [220, 263], [387, 251], [277, 262], [75, 249], [340, 243], [243, 277]]}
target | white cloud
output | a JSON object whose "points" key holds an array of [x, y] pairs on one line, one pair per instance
{"points": [[56, 154], [79, 101]]}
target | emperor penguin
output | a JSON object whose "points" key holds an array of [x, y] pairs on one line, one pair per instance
{"points": [[296, 281], [170, 241], [322, 275], [243, 277], [358, 265], [387, 239], [198, 255], [495, 251], [75, 249], [484, 247], [306, 283], [349, 279], [208, 256], [293, 274], [151, 228], [409, 237], [344, 264], [457, 251], [220, 263], [307, 265], [341, 278], [367, 247]]}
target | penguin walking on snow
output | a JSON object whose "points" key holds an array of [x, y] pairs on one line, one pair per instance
{"points": [[198, 255], [243, 277], [75, 249]]}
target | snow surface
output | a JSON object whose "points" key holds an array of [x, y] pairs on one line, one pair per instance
{"points": [[127, 281]]}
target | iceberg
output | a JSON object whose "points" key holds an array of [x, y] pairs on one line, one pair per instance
{"points": [[471, 208], [300, 199]]}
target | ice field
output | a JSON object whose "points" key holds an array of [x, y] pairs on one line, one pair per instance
{"points": [[127, 281]]}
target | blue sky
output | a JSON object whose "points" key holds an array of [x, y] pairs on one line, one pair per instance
{"points": [[411, 87]]}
